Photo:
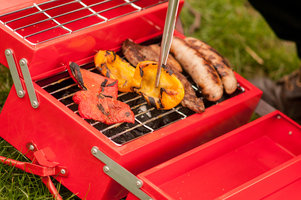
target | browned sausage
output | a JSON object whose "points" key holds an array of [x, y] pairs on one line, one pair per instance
{"points": [[221, 65], [201, 71]]}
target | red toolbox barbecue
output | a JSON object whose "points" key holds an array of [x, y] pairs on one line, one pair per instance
{"points": [[97, 161]]}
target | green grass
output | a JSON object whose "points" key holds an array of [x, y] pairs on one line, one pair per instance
{"points": [[5, 84], [230, 26], [16, 184]]}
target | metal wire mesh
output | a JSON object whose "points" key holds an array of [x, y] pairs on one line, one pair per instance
{"points": [[147, 118], [56, 18]]}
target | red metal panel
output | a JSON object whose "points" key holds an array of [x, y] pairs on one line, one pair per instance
{"points": [[52, 55], [250, 162], [70, 138], [11, 5], [56, 128], [282, 182]]}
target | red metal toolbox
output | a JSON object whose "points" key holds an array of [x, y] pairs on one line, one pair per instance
{"points": [[39, 117], [260, 160]]}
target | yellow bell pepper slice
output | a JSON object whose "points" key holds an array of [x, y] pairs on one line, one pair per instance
{"points": [[112, 66], [167, 95]]}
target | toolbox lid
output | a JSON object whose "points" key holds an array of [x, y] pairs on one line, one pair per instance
{"points": [[259, 160], [49, 34]]}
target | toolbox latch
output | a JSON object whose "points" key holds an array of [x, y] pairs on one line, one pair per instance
{"points": [[121, 175]]}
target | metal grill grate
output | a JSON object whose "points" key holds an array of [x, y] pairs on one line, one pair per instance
{"points": [[52, 19], [147, 118]]}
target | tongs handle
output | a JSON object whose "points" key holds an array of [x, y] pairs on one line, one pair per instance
{"points": [[167, 36]]}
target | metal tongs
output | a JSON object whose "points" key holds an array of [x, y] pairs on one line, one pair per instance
{"points": [[169, 28]]}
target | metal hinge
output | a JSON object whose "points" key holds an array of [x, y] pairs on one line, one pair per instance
{"points": [[28, 82], [16, 79], [14, 72], [121, 175]]}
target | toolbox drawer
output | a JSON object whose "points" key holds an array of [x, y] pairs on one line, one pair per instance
{"points": [[258, 160]]}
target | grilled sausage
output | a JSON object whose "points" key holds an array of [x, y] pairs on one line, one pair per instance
{"points": [[221, 65], [201, 71]]}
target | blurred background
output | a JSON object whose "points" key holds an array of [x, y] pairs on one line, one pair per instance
{"points": [[232, 27]]}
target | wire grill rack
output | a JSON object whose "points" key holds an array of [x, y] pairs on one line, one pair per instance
{"points": [[147, 118], [56, 18]]}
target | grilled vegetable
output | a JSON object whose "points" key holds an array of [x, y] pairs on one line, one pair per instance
{"points": [[201, 71], [221, 65], [141, 80], [93, 82], [136, 53], [112, 66], [167, 95], [101, 108], [98, 99]]}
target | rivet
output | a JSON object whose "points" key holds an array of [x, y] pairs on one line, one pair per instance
{"points": [[63, 171], [278, 117], [106, 168], [21, 93], [35, 104], [290, 132], [8, 52], [22, 61], [94, 150], [139, 183], [31, 147]]}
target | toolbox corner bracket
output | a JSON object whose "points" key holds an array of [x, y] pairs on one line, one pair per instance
{"points": [[120, 174]]}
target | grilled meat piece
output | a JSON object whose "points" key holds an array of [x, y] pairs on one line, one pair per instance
{"points": [[104, 109], [190, 100], [221, 65], [150, 53], [172, 63], [201, 71], [133, 54]]}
